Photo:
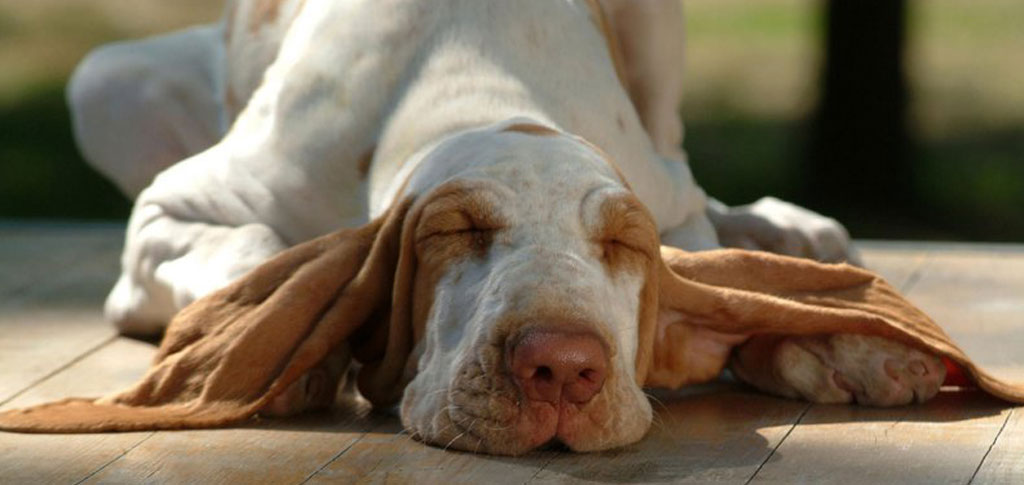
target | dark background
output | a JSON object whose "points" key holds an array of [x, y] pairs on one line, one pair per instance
{"points": [[904, 119]]}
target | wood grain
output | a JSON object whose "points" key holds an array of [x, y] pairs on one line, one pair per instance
{"points": [[978, 297], [388, 455], [33, 259], [37, 458], [718, 433], [1005, 461], [53, 343], [942, 441], [56, 319], [898, 265], [973, 296], [283, 451]]}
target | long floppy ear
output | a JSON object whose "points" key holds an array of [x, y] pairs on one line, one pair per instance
{"points": [[227, 355], [736, 292]]}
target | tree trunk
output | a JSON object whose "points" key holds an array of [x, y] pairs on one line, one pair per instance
{"points": [[859, 148]]}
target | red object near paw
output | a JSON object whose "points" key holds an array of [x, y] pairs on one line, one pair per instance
{"points": [[955, 376]]}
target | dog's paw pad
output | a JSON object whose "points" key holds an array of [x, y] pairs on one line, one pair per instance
{"points": [[867, 370]]}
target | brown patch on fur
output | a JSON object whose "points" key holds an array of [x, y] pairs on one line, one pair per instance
{"points": [[266, 12], [611, 39], [263, 12], [458, 221], [455, 222], [531, 129], [363, 165], [627, 234]]}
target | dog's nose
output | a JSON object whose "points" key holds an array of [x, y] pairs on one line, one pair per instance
{"points": [[554, 365]]}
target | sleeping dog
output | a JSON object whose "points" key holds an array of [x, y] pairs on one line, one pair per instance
{"points": [[517, 167]]}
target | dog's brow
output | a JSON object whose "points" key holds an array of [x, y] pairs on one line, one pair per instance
{"points": [[469, 199]]}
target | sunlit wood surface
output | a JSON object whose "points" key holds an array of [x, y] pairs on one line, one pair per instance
{"points": [[54, 343]]}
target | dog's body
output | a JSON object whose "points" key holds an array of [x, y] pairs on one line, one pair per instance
{"points": [[519, 118]]}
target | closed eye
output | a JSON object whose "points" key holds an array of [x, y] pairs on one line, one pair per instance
{"points": [[613, 250], [627, 233], [452, 223]]}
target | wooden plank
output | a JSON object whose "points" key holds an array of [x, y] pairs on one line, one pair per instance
{"points": [[978, 297], [32, 256], [48, 324], [272, 451], [388, 455], [942, 441], [974, 296], [36, 343], [897, 264], [716, 433], [36, 458], [1005, 461]]}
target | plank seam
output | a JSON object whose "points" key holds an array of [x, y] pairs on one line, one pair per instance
{"points": [[540, 469], [777, 446], [916, 275], [991, 446], [92, 350], [118, 457], [335, 457]]}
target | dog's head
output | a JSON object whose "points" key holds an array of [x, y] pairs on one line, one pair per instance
{"points": [[534, 276]]}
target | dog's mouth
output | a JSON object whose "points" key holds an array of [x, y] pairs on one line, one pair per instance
{"points": [[486, 412]]}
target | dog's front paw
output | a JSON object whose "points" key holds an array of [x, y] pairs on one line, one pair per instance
{"points": [[315, 390], [777, 226], [847, 368]]}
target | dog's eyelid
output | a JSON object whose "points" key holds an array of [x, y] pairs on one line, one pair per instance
{"points": [[617, 244], [628, 225], [454, 222]]}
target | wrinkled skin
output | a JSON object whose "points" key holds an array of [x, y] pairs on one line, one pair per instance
{"points": [[497, 260]]}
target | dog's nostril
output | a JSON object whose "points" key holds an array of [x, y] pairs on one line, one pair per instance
{"points": [[557, 365]]}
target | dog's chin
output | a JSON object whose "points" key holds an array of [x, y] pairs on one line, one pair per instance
{"points": [[499, 422]]}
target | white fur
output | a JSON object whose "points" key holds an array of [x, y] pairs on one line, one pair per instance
{"points": [[427, 88]]}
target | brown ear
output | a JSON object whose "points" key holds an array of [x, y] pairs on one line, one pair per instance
{"points": [[227, 355], [740, 292]]}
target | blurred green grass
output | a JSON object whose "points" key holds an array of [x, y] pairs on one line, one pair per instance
{"points": [[751, 83]]}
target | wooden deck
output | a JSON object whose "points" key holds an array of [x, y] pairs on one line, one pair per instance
{"points": [[54, 343]]}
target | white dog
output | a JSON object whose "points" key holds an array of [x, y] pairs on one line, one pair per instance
{"points": [[540, 141]]}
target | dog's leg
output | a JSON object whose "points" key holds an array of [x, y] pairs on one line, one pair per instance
{"points": [[651, 37], [774, 225], [841, 368], [169, 261], [139, 107]]}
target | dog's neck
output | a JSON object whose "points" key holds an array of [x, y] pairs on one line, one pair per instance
{"points": [[554, 68]]}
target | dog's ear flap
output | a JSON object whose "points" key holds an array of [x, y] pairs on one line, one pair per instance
{"points": [[227, 355], [743, 293]]}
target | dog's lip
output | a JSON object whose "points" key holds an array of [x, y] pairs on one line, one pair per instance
{"points": [[534, 425]]}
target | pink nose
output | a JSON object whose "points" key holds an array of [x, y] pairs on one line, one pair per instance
{"points": [[555, 365]]}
